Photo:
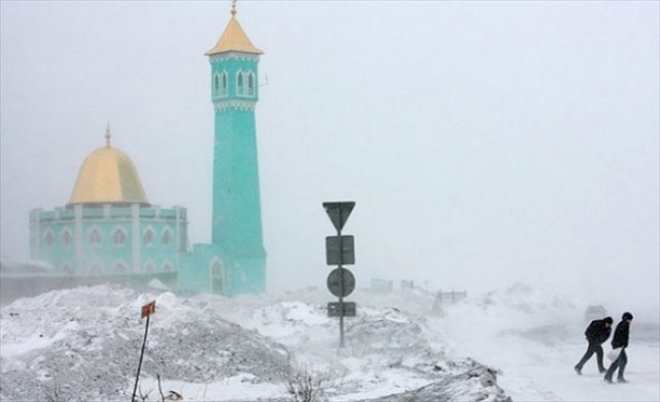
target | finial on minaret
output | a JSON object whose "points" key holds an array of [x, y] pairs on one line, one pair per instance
{"points": [[233, 8], [107, 135]]}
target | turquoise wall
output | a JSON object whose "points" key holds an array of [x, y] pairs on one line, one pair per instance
{"points": [[107, 242], [237, 227], [195, 274]]}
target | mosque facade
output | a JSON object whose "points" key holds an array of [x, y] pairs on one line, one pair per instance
{"points": [[109, 231], [108, 228]]}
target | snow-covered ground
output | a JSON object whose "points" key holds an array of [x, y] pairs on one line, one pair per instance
{"points": [[84, 344], [535, 339]]}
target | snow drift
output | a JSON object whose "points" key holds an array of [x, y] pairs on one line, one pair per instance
{"points": [[84, 344]]}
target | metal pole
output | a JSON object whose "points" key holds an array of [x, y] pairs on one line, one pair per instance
{"points": [[341, 286], [144, 342]]}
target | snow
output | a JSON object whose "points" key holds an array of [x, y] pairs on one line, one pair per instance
{"points": [[9, 265], [521, 343]]}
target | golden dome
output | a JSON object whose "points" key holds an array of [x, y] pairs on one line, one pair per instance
{"points": [[233, 39], [108, 176]]}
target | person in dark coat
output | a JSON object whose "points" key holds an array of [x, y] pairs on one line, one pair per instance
{"points": [[597, 333], [620, 340]]}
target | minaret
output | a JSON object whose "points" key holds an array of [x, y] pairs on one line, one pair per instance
{"points": [[236, 200]]}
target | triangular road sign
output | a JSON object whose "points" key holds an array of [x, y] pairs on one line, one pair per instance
{"points": [[338, 212]]}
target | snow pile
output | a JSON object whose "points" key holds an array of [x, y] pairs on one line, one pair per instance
{"points": [[84, 344], [90, 339]]}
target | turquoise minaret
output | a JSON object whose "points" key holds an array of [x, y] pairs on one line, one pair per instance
{"points": [[237, 230]]}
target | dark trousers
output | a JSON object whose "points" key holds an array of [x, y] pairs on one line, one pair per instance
{"points": [[619, 363], [594, 347]]}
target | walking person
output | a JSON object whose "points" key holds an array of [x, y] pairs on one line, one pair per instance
{"points": [[620, 340], [597, 333]]}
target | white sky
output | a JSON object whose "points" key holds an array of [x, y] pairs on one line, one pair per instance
{"points": [[483, 142]]}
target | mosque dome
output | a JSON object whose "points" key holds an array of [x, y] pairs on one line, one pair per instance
{"points": [[108, 176]]}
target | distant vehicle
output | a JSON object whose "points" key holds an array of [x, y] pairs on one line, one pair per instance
{"points": [[595, 313]]}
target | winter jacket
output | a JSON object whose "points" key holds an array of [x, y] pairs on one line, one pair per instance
{"points": [[621, 333], [597, 332]]}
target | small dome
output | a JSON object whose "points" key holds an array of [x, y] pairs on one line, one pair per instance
{"points": [[108, 176]]}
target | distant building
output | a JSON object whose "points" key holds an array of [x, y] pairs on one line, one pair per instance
{"points": [[108, 228], [110, 231]]}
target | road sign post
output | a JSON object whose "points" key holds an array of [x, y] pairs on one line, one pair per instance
{"points": [[339, 212], [147, 310], [340, 251], [341, 282], [345, 309]]}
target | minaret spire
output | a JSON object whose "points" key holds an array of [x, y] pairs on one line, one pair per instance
{"points": [[233, 38], [107, 135]]}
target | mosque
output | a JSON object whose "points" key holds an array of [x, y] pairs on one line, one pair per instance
{"points": [[110, 232]]}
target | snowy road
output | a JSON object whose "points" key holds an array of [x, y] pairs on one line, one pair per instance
{"points": [[537, 364], [547, 375]]}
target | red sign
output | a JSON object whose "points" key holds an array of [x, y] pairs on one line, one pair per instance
{"points": [[148, 309]]}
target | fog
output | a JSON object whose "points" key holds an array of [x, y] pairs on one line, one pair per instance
{"points": [[483, 143]]}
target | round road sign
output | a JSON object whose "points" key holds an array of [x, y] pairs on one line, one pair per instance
{"points": [[339, 277]]}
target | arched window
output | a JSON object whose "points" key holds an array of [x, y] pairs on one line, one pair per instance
{"points": [[49, 238], [166, 237], [219, 278], [148, 237], [94, 237], [217, 269], [251, 84], [149, 267], [239, 83], [225, 86], [119, 237], [167, 267], [216, 85], [66, 237]]}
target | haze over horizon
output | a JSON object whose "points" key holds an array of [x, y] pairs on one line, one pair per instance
{"points": [[484, 143]]}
